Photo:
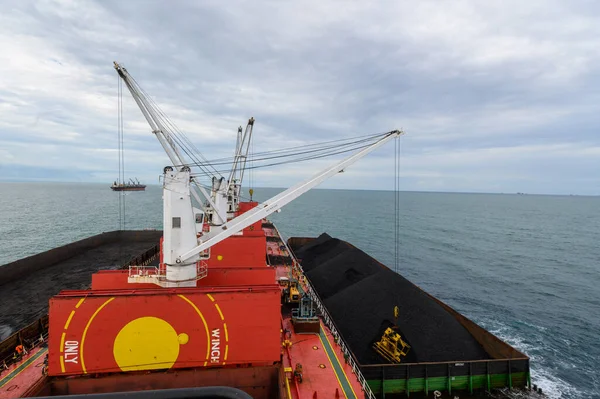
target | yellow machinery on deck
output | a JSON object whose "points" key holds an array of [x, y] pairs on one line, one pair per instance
{"points": [[391, 346], [291, 292]]}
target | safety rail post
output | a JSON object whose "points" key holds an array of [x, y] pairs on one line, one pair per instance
{"points": [[383, 382], [470, 378], [426, 382], [509, 375], [135, 271], [407, 380], [449, 381]]}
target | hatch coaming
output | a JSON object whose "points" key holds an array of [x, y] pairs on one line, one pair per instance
{"points": [[120, 331]]}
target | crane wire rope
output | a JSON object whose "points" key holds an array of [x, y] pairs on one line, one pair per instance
{"points": [[251, 170], [307, 158], [397, 204], [310, 151], [319, 153], [154, 110], [175, 133], [309, 148], [121, 178]]}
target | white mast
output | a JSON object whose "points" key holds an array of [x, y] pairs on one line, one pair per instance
{"points": [[155, 116], [236, 175]]}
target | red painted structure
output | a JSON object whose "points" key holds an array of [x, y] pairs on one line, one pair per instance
{"points": [[239, 251], [126, 330], [19, 380], [233, 317], [230, 330], [217, 277]]}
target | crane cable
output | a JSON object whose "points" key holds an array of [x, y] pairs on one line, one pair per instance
{"points": [[267, 156], [307, 147], [315, 156], [176, 134], [397, 205], [121, 178]]}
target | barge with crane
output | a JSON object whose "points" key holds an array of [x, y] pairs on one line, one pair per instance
{"points": [[220, 304], [131, 185]]}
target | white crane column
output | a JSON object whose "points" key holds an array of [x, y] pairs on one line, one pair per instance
{"points": [[179, 228]]}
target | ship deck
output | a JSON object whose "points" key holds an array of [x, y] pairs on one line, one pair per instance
{"points": [[325, 373], [63, 268], [23, 375]]}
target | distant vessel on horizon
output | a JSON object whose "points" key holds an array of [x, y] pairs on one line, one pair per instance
{"points": [[131, 185]]}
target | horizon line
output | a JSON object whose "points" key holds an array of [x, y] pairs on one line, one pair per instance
{"points": [[337, 189]]}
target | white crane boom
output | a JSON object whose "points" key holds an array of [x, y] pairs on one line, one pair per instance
{"points": [[152, 115], [277, 202], [241, 155]]}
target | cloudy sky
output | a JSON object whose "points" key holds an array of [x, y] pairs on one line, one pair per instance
{"points": [[495, 96]]}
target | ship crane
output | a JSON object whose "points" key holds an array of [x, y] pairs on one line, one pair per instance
{"points": [[217, 207], [236, 176], [185, 242], [183, 246], [277, 202]]}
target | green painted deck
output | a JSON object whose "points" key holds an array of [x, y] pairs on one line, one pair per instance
{"points": [[337, 367]]}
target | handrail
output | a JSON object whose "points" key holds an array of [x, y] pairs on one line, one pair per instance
{"points": [[348, 355], [10, 360], [160, 275], [144, 258], [215, 392]]}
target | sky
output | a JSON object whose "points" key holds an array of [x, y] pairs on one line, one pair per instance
{"points": [[494, 96]]}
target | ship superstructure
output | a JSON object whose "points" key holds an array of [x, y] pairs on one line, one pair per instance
{"points": [[222, 300], [212, 308]]}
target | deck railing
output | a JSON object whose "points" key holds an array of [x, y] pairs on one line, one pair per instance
{"points": [[145, 258], [161, 274], [14, 359], [348, 355]]}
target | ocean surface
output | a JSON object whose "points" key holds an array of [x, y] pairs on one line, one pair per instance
{"points": [[525, 267]]}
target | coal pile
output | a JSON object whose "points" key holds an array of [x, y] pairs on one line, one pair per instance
{"points": [[25, 300], [360, 295]]}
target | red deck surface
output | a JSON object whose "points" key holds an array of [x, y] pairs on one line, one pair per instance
{"points": [[324, 369], [19, 378], [274, 248], [325, 372], [270, 232], [116, 331]]}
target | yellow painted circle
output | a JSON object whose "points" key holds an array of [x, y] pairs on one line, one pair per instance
{"points": [[147, 343], [219, 257], [183, 338]]}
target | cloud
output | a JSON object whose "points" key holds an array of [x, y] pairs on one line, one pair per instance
{"points": [[495, 96]]}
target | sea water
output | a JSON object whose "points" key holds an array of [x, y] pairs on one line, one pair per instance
{"points": [[525, 267]]}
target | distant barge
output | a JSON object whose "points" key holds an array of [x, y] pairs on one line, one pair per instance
{"points": [[129, 186]]}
